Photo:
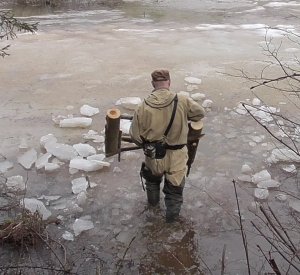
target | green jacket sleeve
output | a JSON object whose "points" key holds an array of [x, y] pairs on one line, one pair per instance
{"points": [[134, 130], [195, 111]]}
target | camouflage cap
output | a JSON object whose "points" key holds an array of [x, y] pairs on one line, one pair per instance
{"points": [[160, 75]]}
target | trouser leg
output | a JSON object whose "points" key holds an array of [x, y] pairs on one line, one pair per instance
{"points": [[152, 185], [173, 200], [153, 192]]}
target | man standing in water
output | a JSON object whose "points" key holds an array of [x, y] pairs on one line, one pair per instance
{"points": [[160, 126]]}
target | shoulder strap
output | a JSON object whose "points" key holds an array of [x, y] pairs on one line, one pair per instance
{"points": [[173, 116]]}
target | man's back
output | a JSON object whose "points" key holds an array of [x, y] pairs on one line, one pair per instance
{"points": [[154, 114]]}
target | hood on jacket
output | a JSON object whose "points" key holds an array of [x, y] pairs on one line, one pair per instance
{"points": [[160, 98]]}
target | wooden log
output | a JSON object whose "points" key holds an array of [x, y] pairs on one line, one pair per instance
{"points": [[129, 117], [194, 134], [195, 130], [112, 132]]}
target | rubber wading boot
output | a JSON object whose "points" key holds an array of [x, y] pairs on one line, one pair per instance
{"points": [[153, 192], [173, 200]]}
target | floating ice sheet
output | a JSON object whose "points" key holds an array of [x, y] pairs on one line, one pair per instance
{"points": [[290, 169], [261, 176], [268, 184], [125, 126], [5, 166], [88, 165], [79, 185], [191, 87], [47, 138], [84, 150], [68, 236], [28, 158], [94, 136], [35, 205], [89, 111], [283, 155], [61, 151], [42, 160], [295, 205], [193, 80], [82, 224], [207, 103], [129, 102], [80, 122], [261, 193], [50, 167], [98, 157]]}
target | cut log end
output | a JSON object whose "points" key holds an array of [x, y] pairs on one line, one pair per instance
{"points": [[198, 125], [113, 113]]}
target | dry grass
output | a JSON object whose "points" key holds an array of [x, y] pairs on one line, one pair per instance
{"points": [[26, 228]]}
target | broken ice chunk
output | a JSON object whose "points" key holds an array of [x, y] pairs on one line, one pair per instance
{"points": [[47, 138], [240, 109], [281, 197], [73, 171], [87, 110], [258, 139], [42, 160], [50, 167], [90, 134], [84, 150], [256, 101], [262, 115], [88, 165], [125, 126], [81, 122], [295, 205], [193, 80], [58, 118], [81, 198], [68, 236], [198, 96], [284, 155], [129, 102], [261, 193], [82, 224], [246, 169], [69, 107], [245, 178], [5, 166], [261, 176], [35, 205], [61, 151], [207, 103], [94, 136], [267, 184], [117, 170], [290, 169], [191, 88], [98, 157], [15, 183], [28, 158], [79, 185]]}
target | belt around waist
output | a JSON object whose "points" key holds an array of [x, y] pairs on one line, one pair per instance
{"points": [[174, 147]]}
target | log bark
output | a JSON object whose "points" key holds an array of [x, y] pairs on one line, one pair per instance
{"points": [[112, 132]]}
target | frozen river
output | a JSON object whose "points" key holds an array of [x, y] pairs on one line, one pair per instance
{"points": [[95, 55]]}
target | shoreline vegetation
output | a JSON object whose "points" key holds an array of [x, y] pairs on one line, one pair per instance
{"points": [[59, 3]]}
